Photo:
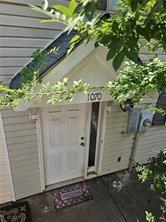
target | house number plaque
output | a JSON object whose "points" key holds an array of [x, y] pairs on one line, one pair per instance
{"points": [[94, 97]]}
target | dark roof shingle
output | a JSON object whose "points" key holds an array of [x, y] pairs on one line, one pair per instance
{"points": [[62, 43]]}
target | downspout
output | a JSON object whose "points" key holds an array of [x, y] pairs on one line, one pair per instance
{"points": [[133, 151]]}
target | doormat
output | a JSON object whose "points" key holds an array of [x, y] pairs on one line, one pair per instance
{"points": [[17, 212], [71, 195]]}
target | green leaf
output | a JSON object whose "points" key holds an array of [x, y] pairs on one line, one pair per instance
{"points": [[114, 48], [150, 3], [143, 31], [111, 54], [105, 39], [132, 54], [76, 38], [73, 5], [48, 20], [115, 26], [96, 44], [118, 60], [68, 11], [164, 4], [63, 9], [90, 10], [133, 5]]}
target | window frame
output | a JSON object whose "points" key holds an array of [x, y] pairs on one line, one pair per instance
{"points": [[159, 119]]}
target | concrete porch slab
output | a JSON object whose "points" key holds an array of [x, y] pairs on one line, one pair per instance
{"points": [[117, 197]]}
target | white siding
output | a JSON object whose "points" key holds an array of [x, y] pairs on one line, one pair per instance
{"points": [[145, 55], [154, 139], [5, 179], [21, 33], [116, 143], [21, 139], [119, 144], [150, 143]]}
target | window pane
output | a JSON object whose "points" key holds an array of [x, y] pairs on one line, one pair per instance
{"points": [[162, 101], [159, 119], [114, 4], [93, 133]]}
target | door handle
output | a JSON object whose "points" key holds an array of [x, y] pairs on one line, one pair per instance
{"points": [[82, 144]]}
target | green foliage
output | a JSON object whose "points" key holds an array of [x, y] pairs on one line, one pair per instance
{"points": [[150, 217], [68, 11], [137, 23], [12, 97], [61, 91], [30, 78], [156, 110], [155, 173], [39, 61], [135, 81], [53, 93]]}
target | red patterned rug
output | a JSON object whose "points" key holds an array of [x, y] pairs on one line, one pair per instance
{"points": [[71, 195]]}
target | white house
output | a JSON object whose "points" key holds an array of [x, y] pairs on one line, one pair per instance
{"points": [[46, 146]]}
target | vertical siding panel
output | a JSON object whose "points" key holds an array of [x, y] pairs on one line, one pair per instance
{"points": [[21, 139], [117, 144], [5, 179]]}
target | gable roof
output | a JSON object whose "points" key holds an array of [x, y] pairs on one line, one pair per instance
{"points": [[62, 43]]}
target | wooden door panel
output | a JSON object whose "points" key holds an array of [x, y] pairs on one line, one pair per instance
{"points": [[63, 127], [55, 132]]}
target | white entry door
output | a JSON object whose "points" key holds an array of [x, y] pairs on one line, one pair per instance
{"points": [[63, 134]]}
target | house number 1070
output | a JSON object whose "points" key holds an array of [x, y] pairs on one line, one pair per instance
{"points": [[94, 96]]}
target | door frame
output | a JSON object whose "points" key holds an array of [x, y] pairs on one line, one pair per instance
{"points": [[41, 136], [99, 141], [40, 149], [99, 144], [101, 136]]}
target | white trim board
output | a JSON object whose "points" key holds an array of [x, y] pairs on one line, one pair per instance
{"points": [[78, 99], [70, 66], [61, 70], [40, 149], [102, 133]]}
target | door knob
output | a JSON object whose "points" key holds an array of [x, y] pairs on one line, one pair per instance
{"points": [[82, 144]]}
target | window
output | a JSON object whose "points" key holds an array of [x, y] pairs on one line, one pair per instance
{"points": [[108, 5], [102, 5], [93, 133], [112, 5], [159, 119]]}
